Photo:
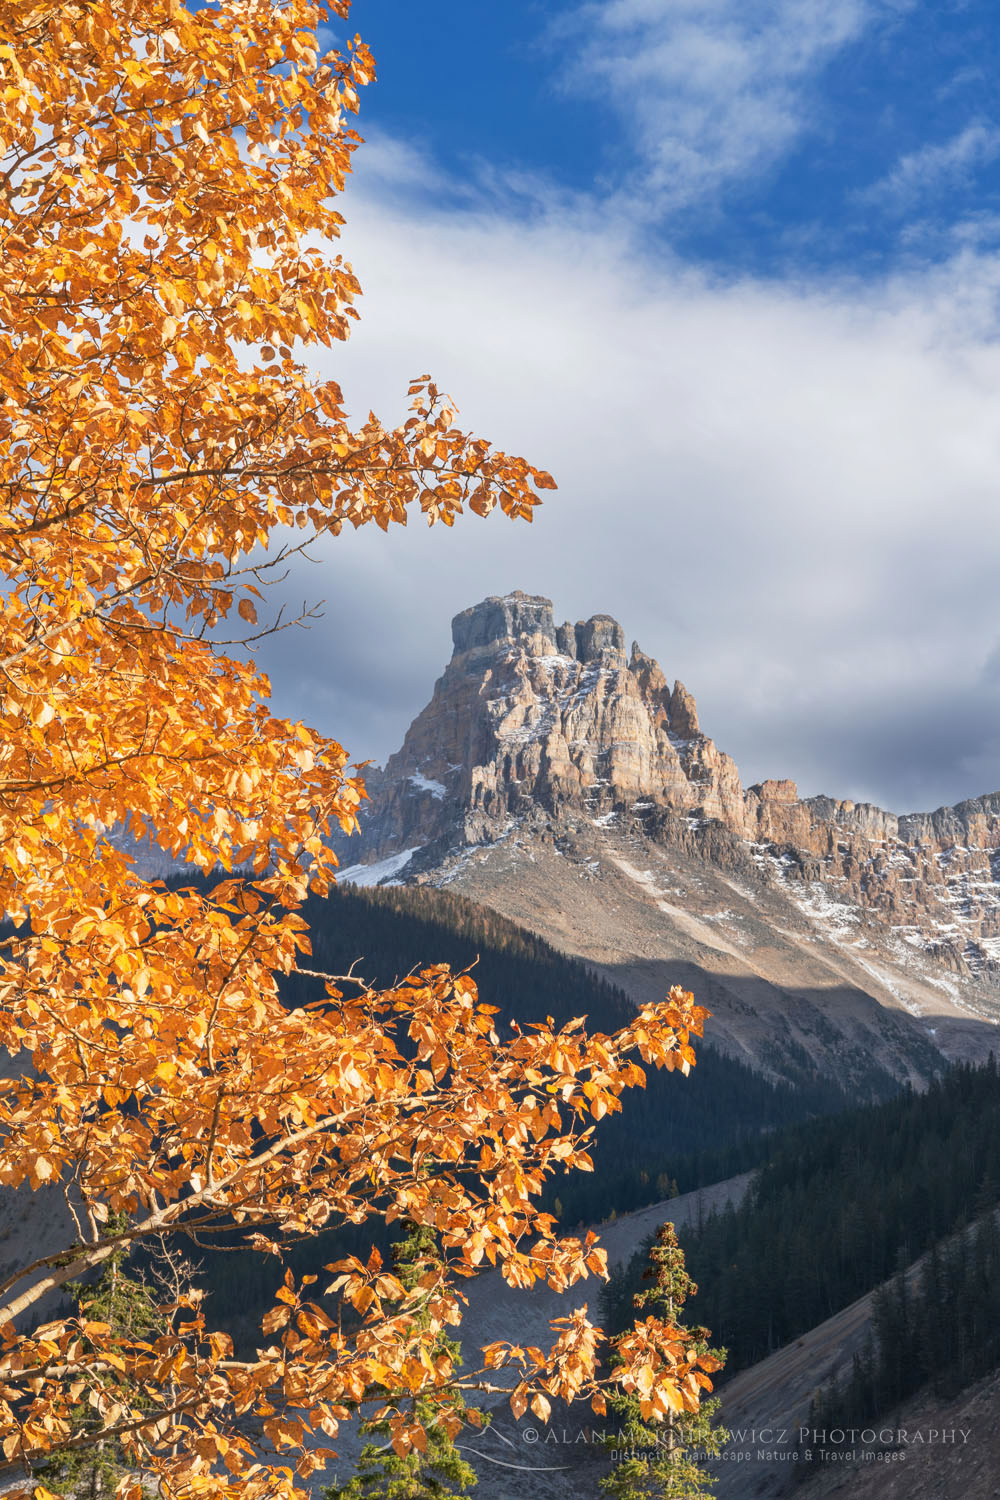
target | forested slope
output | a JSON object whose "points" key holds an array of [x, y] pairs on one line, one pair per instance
{"points": [[842, 1203], [941, 1331]]}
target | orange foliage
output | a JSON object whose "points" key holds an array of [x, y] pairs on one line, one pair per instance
{"points": [[169, 172]]}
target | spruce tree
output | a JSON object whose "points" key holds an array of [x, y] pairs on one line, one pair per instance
{"points": [[439, 1472], [661, 1460], [129, 1305]]}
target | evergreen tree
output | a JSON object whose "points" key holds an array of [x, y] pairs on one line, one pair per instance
{"points": [[662, 1459], [128, 1304], [438, 1472]]}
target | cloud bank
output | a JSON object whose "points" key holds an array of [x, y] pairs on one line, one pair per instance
{"points": [[786, 490], [790, 494]]}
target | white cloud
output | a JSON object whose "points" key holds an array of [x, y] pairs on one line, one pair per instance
{"points": [[789, 494], [709, 91], [962, 79], [934, 169]]}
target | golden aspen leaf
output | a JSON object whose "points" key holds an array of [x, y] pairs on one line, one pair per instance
{"points": [[541, 1407], [276, 1318]]}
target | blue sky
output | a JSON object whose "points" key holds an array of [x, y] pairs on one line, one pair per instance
{"points": [[776, 138], [730, 269]]}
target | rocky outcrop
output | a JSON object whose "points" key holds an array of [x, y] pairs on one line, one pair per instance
{"points": [[932, 878], [534, 722]]}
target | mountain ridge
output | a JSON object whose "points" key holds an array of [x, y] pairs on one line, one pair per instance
{"points": [[547, 743]]}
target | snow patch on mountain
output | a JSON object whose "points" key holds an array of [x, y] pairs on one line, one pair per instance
{"points": [[377, 874], [425, 784]]}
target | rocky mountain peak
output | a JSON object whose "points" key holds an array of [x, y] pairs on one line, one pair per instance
{"points": [[536, 728], [531, 717]]}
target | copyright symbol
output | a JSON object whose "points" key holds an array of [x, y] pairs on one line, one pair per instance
{"points": [[530, 1435]]}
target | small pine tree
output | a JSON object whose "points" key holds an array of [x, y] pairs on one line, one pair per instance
{"points": [[439, 1472], [659, 1461], [129, 1306]]}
